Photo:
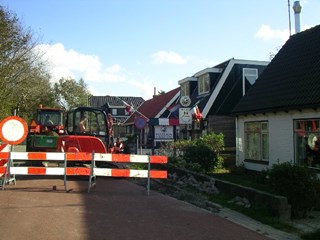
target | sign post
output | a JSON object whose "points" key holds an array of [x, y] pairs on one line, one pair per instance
{"points": [[140, 123]]}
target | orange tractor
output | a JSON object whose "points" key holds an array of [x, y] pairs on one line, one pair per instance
{"points": [[45, 129], [81, 129]]}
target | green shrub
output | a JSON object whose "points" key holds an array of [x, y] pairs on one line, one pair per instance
{"points": [[177, 161], [200, 156], [213, 141], [296, 183]]}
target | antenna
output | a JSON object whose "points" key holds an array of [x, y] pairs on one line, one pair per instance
{"points": [[289, 18]]}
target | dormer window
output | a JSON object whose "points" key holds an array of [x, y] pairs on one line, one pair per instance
{"points": [[185, 89], [250, 76], [203, 84], [187, 85], [114, 112]]}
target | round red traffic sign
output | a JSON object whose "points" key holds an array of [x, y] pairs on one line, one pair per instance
{"points": [[13, 130]]}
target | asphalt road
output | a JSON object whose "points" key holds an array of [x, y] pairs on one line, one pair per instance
{"points": [[39, 208]]}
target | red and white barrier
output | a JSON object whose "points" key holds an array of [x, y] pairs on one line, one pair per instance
{"points": [[64, 157], [4, 148], [83, 156]]}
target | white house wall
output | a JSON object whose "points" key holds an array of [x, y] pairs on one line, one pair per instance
{"points": [[281, 137]]}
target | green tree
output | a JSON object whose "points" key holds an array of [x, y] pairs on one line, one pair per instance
{"points": [[33, 92], [70, 93], [24, 82]]}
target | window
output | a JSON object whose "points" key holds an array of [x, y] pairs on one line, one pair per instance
{"points": [[185, 89], [256, 141], [114, 112], [54, 117], [249, 77], [203, 84], [307, 142], [94, 122]]}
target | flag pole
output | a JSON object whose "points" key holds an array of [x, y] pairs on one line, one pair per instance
{"points": [[134, 109]]}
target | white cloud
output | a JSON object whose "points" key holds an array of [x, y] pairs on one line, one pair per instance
{"points": [[266, 33], [111, 80], [69, 63], [168, 57]]}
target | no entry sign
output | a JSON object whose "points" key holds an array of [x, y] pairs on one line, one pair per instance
{"points": [[13, 130], [140, 122]]}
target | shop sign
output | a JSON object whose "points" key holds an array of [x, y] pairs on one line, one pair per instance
{"points": [[163, 132]]}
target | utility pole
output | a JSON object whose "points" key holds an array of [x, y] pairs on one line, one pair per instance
{"points": [[289, 18]]}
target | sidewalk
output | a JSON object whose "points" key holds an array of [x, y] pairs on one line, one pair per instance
{"points": [[255, 225]]}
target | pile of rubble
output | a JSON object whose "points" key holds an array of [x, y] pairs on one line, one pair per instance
{"points": [[195, 190], [241, 201], [187, 188], [189, 180]]}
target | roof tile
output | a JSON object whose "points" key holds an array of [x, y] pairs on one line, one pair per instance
{"points": [[291, 80]]}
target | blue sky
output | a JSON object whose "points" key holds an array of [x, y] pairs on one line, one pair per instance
{"points": [[130, 47]]}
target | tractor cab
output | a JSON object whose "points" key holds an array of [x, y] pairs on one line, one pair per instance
{"points": [[47, 120], [88, 121], [45, 129]]}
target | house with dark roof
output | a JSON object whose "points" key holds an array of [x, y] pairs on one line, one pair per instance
{"points": [[156, 119], [278, 119], [216, 91], [117, 106]]}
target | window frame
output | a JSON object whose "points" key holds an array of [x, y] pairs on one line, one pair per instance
{"points": [[262, 135], [245, 73], [203, 84], [303, 131], [185, 89]]}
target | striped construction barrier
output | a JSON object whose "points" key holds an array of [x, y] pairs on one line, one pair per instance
{"points": [[14, 158], [4, 147]]}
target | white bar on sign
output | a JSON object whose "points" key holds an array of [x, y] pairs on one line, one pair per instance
{"points": [[54, 171], [55, 156], [139, 173], [19, 155], [19, 170], [102, 172], [106, 157], [139, 158]]}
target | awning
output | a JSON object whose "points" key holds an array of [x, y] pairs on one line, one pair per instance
{"points": [[164, 121]]}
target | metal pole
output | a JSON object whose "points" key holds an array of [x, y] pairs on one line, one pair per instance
{"points": [[92, 178], [140, 141], [137, 142], [148, 182], [289, 18], [65, 172]]}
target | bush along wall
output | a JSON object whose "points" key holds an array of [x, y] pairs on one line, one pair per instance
{"points": [[200, 155], [299, 184]]}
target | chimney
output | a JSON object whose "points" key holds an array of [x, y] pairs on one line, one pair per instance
{"points": [[154, 92], [297, 10]]}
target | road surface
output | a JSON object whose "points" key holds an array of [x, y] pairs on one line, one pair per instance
{"points": [[39, 208]]}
